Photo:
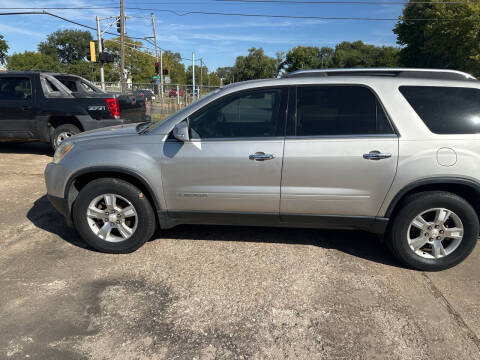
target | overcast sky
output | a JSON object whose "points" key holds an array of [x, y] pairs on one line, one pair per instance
{"points": [[217, 39]]}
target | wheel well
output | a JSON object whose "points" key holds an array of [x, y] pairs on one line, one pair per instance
{"points": [[79, 182], [467, 192], [55, 121]]}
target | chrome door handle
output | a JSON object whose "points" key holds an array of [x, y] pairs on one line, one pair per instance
{"points": [[260, 156], [376, 155]]}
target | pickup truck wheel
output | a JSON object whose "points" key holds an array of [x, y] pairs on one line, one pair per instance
{"points": [[113, 216], [62, 132], [434, 231]]}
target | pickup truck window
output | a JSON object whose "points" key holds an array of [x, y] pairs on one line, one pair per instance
{"points": [[15, 88], [87, 88], [52, 88], [72, 85]]}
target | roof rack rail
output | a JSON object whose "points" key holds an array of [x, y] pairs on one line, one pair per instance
{"points": [[386, 72]]}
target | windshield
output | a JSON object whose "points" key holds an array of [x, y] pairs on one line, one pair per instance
{"points": [[156, 124]]}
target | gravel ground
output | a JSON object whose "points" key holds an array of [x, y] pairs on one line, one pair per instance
{"points": [[217, 292]]}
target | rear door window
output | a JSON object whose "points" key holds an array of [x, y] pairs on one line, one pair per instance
{"points": [[339, 110], [15, 88], [446, 110]]}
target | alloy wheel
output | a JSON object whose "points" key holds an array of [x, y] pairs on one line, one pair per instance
{"points": [[112, 217], [435, 233]]}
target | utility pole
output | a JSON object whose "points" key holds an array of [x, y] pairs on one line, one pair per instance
{"points": [[201, 76], [193, 76], [161, 71], [100, 49], [156, 57], [122, 46]]}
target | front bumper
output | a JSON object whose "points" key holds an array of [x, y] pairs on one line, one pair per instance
{"points": [[60, 204], [55, 177]]}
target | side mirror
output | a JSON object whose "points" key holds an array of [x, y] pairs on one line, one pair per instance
{"points": [[180, 131]]}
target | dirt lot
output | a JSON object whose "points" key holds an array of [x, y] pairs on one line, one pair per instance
{"points": [[217, 292]]}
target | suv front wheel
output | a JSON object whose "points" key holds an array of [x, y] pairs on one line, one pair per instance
{"points": [[434, 231], [113, 216]]}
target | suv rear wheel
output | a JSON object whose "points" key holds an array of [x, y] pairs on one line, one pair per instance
{"points": [[434, 231], [113, 216]]}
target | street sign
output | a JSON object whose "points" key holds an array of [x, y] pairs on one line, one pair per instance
{"points": [[157, 81], [166, 79], [156, 77]]}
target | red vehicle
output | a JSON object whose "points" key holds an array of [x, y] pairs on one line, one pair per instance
{"points": [[173, 93]]}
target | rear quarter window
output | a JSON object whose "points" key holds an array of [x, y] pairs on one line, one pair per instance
{"points": [[446, 110]]}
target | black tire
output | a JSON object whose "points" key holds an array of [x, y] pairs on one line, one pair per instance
{"points": [[420, 202], [145, 215], [67, 129]]}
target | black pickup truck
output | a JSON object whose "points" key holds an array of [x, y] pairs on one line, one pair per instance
{"points": [[36, 106]]}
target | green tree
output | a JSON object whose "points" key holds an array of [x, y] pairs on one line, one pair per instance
{"points": [[357, 54], [30, 60], [345, 55], [302, 57], [256, 65], [140, 64], [452, 44], [67, 46], [213, 79], [84, 69], [326, 57], [203, 73], [176, 70], [3, 50], [225, 74]]}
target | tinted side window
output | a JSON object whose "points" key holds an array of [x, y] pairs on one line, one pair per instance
{"points": [[252, 114], [339, 110], [87, 87], [13, 88], [446, 110], [72, 85], [68, 82]]}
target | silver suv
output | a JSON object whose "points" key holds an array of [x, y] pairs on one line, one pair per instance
{"points": [[390, 151]]}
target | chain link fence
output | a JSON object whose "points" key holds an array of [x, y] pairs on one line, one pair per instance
{"points": [[175, 96]]}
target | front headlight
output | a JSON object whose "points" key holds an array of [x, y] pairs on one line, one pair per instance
{"points": [[61, 151]]}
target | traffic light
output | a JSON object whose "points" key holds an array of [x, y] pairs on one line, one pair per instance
{"points": [[119, 27], [157, 68], [92, 56], [164, 72], [106, 57]]}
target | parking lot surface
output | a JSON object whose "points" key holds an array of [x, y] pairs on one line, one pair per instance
{"points": [[204, 292]]}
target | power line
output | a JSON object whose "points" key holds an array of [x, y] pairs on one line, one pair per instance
{"points": [[134, 47], [301, 2], [64, 19], [62, 8], [180, 14], [309, 17], [343, 2]]}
